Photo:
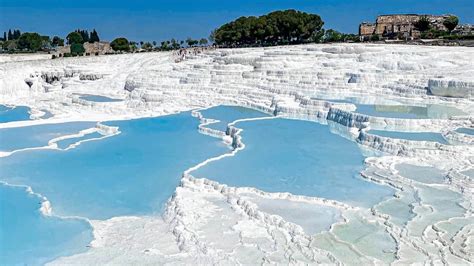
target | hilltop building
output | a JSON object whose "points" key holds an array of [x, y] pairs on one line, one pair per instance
{"points": [[398, 26], [96, 48]]}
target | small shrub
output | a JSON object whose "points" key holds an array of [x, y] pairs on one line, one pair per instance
{"points": [[77, 49], [375, 38]]}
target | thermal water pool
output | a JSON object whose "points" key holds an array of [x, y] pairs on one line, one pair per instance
{"points": [[97, 98], [465, 130], [431, 111], [17, 113], [28, 237], [300, 157], [37, 136], [404, 111], [417, 136], [132, 173]]}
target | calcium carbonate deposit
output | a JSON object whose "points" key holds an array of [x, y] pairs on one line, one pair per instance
{"points": [[406, 111]]}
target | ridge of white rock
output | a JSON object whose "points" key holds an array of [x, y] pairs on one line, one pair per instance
{"points": [[429, 221]]}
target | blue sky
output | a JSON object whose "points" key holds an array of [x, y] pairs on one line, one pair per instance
{"points": [[158, 20]]}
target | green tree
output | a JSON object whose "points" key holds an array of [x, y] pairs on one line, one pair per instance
{"points": [[164, 46], [375, 38], [451, 22], [57, 41], [333, 36], [120, 44], [423, 24], [77, 49], [174, 44], [279, 27], [154, 43], [30, 41], [147, 46], [84, 34], [74, 37], [203, 41], [191, 42], [94, 36], [10, 35]]}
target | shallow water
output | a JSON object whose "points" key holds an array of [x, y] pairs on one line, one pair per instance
{"points": [[418, 136], [405, 111], [97, 98], [312, 218], [17, 113], [132, 173], [299, 157], [37, 136], [227, 114], [28, 237], [433, 111], [464, 130], [424, 174]]}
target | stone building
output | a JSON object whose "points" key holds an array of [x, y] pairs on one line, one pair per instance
{"points": [[399, 26], [464, 29], [96, 48]]}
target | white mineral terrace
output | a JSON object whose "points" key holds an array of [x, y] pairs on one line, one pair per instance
{"points": [[207, 222]]}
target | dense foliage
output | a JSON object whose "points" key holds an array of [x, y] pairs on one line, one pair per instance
{"points": [[77, 49], [275, 28], [74, 37], [451, 22], [120, 44], [30, 41], [57, 41], [336, 36], [94, 36], [423, 24]]}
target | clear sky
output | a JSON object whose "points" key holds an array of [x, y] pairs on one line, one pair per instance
{"points": [[157, 20]]}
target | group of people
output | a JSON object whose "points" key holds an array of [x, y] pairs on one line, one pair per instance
{"points": [[181, 54]]}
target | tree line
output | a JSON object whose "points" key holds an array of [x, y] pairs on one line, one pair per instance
{"points": [[275, 28], [124, 45], [12, 35], [14, 41], [429, 32]]}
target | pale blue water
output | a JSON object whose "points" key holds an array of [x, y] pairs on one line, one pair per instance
{"points": [[464, 130], [299, 157], [430, 111], [424, 174], [419, 136], [97, 98], [17, 113], [227, 114], [64, 144], [132, 173], [409, 112], [29, 238], [37, 136]]}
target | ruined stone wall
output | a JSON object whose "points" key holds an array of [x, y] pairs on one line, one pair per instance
{"points": [[99, 48], [400, 25], [366, 29]]}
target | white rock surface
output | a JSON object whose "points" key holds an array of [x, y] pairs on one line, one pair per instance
{"points": [[206, 222]]}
